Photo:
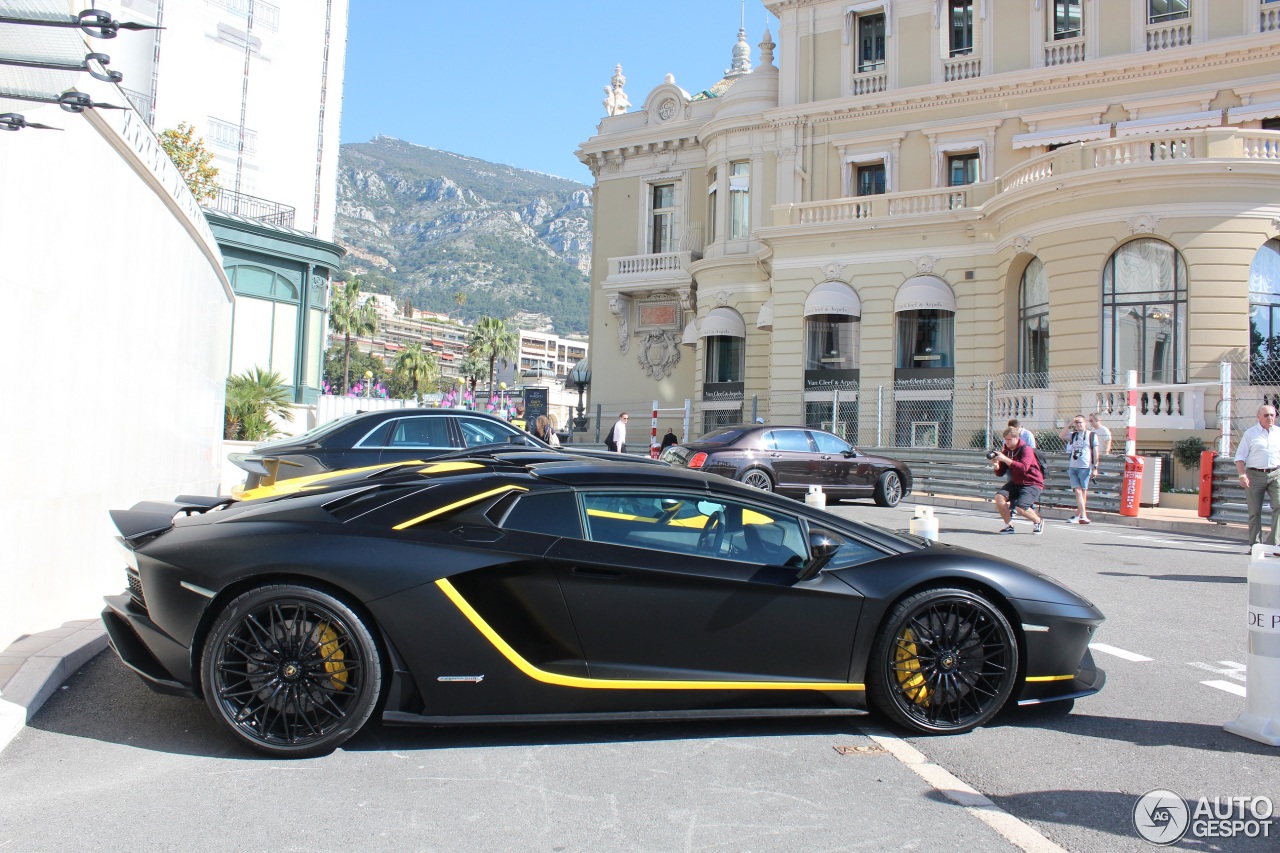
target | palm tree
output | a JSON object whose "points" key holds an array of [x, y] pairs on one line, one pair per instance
{"points": [[492, 340], [251, 397], [421, 366], [349, 316], [472, 369], [460, 297]]}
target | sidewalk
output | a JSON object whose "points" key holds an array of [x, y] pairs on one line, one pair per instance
{"points": [[36, 665]]}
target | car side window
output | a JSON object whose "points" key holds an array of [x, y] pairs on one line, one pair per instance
{"points": [[853, 553], [476, 432], [695, 525], [378, 437], [549, 513], [427, 432], [768, 441], [828, 443], [792, 440]]}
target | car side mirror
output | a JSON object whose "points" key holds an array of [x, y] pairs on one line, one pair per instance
{"points": [[850, 453], [823, 545], [517, 439]]}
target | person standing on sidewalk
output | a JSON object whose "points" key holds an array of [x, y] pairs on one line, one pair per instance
{"points": [[1102, 432], [617, 438], [1082, 463], [1258, 463], [1026, 481]]}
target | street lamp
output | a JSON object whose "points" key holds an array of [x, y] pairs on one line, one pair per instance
{"points": [[368, 383], [580, 376]]}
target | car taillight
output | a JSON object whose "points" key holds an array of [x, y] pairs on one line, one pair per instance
{"points": [[697, 460]]}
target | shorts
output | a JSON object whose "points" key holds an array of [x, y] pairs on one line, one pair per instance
{"points": [[1023, 497], [1079, 478]]}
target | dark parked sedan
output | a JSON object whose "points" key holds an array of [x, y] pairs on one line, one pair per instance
{"points": [[577, 590], [380, 438], [790, 459]]}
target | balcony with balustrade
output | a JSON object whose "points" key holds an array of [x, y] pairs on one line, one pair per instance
{"points": [[661, 271]]}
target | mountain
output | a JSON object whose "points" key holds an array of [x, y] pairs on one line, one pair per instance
{"points": [[426, 225]]}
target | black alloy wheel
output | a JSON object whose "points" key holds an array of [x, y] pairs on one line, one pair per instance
{"points": [[757, 478], [888, 489], [290, 670], [945, 661]]}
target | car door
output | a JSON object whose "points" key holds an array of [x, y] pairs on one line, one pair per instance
{"points": [[673, 585], [412, 437], [839, 472], [791, 456]]}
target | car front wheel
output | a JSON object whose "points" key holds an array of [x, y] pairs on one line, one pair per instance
{"points": [[888, 489], [757, 479], [290, 670], [944, 662]]}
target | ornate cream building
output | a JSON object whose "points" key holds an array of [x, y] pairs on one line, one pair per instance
{"points": [[904, 199]]}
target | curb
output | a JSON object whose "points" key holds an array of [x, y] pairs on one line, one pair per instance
{"points": [[48, 659]]}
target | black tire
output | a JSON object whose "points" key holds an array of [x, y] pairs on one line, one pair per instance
{"points": [[888, 489], [757, 478], [290, 670], [945, 661]]}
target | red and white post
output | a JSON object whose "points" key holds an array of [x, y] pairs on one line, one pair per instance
{"points": [[653, 433]]}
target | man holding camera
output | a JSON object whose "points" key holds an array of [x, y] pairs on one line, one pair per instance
{"points": [[1026, 481], [1082, 463]]}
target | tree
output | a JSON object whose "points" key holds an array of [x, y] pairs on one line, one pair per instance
{"points": [[420, 365], [349, 316], [335, 363], [492, 340], [460, 297], [472, 369], [188, 153], [251, 397]]}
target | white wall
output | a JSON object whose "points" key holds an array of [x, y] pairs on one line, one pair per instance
{"points": [[118, 322]]}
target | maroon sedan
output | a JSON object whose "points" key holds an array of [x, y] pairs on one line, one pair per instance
{"points": [[790, 459]]}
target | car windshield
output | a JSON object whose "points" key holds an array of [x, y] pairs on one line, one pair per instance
{"points": [[721, 436]]}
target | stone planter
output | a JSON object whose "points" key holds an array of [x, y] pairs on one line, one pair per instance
{"points": [[1176, 500]]}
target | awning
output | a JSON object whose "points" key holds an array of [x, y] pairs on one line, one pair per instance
{"points": [[690, 338], [925, 292], [722, 323], [764, 320], [1253, 112], [1163, 124], [1062, 135], [833, 297]]}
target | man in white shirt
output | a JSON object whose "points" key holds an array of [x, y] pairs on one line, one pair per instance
{"points": [[1025, 435], [617, 440], [1258, 462], [1103, 434]]}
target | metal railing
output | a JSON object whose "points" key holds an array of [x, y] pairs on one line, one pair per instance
{"points": [[252, 207]]}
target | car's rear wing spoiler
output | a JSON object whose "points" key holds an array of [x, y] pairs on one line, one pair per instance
{"points": [[148, 518], [264, 466]]}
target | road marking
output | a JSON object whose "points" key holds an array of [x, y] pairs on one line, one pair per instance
{"points": [[1225, 685], [1229, 668], [1120, 653], [1021, 835]]}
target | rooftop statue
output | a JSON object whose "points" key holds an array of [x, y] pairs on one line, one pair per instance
{"points": [[615, 101]]}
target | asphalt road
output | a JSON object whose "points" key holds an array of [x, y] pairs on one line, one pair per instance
{"points": [[109, 765]]}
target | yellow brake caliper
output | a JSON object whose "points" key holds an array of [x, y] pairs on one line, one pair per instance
{"points": [[333, 656], [908, 669]]}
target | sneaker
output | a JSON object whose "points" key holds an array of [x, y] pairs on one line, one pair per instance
{"points": [[1008, 529], [1084, 521], [1075, 519], [1038, 527]]}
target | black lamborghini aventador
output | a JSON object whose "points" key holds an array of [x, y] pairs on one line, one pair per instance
{"points": [[497, 590]]}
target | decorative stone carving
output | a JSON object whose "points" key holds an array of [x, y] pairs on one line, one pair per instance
{"points": [[687, 304], [834, 272], [664, 159], [620, 307], [787, 152], [616, 101], [722, 298], [1142, 224], [1022, 244], [659, 353], [924, 264], [667, 109]]}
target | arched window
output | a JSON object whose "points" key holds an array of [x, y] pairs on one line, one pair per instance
{"points": [[1144, 313], [1033, 324], [264, 329], [925, 310], [1264, 315]]}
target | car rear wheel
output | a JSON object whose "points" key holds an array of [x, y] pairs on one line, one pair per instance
{"points": [[945, 661], [290, 670], [758, 479], [888, 489]]}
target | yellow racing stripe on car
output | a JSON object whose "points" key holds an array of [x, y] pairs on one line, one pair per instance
{"points": [[1050, 677], [298, 484], [450, 507], [619, 683], [446, 467]]}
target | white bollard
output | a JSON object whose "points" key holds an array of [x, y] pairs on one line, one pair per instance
{"points": [[924, 524], [816, 497], [1260, 719]]}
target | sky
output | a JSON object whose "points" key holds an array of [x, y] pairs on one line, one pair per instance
{"points": [[521, 83]]}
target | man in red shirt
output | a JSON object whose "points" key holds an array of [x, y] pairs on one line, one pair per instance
{"points": [[1026, 481]]}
